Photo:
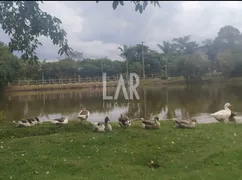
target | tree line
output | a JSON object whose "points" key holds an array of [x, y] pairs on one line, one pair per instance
{"points": [[179, 57]]}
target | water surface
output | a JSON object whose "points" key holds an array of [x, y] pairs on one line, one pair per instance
{"points": [[166, 102]]}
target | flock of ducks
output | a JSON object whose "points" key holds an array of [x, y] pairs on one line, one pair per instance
{"points": [[125, 122], [82, 115], [28, 122]]}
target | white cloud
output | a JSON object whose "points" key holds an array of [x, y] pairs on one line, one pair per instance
{"points": [[97, 30]]}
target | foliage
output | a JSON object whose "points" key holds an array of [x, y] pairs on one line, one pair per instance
{"points": [[179, 57], [9, 65], [139, 5], [25, 22], [191, 66], [2, 116], [225, 62]]}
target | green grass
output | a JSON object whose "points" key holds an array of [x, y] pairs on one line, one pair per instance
{"points": [[73, 151]]}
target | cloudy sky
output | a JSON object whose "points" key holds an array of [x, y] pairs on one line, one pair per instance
{"points": [[97, 30]]}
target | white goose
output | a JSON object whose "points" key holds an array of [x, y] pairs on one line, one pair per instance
{"points": [[223, 115], [83, 114]]}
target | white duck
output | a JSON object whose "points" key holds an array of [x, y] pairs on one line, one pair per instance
{"points": [[62, 120], [223, 115], [83, 114]]}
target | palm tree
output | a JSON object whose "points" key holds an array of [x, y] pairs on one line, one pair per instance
{"points": [[181, 42], [168, 50], [41, 68], [124, 54]]}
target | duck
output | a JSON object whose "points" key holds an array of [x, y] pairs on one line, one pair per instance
{"points": [[188, 123], [124, 121], [61, 120], [233, 114], [147, 124], [35, 120], [83, 114], [223, 115], [24, 123], [103, 127]]}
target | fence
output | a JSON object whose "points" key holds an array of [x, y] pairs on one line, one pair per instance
{"points": [[71, 80]]}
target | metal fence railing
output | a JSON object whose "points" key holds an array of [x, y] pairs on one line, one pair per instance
{"points": [[20, 82]]}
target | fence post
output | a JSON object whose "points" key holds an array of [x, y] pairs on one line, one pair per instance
{"points": [[79, 78], [18, 82]]}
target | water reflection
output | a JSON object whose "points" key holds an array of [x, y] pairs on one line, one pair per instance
{"points": [[181, 102]]}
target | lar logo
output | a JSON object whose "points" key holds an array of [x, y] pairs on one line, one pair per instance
{"points": [[121, 84]]}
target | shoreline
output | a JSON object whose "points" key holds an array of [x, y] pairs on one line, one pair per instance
{"points": [[146, 82], [50, 87]]}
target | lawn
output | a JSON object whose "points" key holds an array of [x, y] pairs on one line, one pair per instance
{"points": [[74, 152]]}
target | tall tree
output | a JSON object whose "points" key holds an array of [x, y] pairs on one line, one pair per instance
{"points": [[168, 51], [180, 43], [9, 65], [211, 52], [183, 45], [125, 50], [24, 22], [225, 62]]}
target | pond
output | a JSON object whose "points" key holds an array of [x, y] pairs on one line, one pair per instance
{"points": [[166, 102]]}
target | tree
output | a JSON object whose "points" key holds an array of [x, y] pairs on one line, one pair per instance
{"points": [[183, 45], [229, 35], [191, 66], [9, 66], [180, 43], [225, 62], [168, 51], [237, 65], [210, 52], [125, 50], [75, 55], [138, 4], [24, 22]]}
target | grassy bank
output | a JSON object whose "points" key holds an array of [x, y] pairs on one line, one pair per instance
{"points": [[47, 87], [212, 151], [143, 82]]}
